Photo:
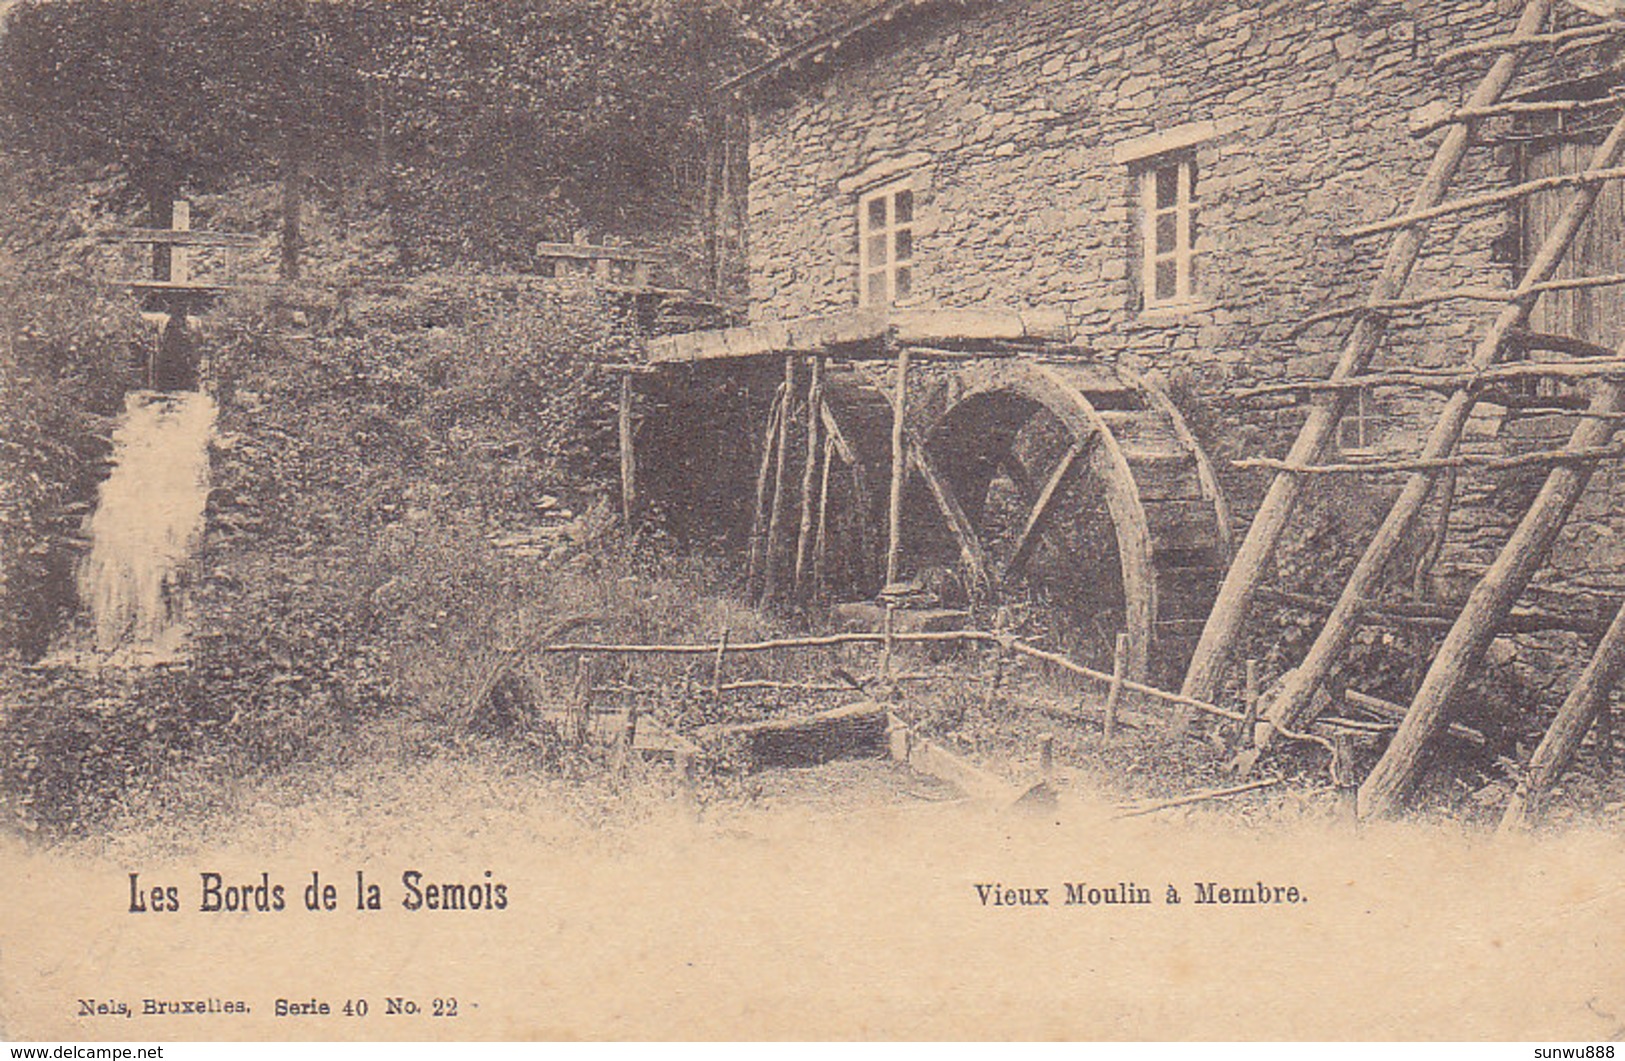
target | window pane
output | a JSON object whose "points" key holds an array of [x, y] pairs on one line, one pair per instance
{"points": [[877, 250], [905, 244], [1195, 266], [877, 212], [903, 202], [876, 295], [1196, 233], [905, 281], [1167, 282], [1167, 186], [1167, 232]]}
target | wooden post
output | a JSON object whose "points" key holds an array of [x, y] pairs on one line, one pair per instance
{"points": [[1343, 777], [775, 520], [180, 262], [809, 470], [821, 538], [629, 459], [1487, 606], [1580, 709], [1295, 697], [1046, 756], [1114, 693], [631, 737], [758, 526], [581, 704], [886, 645], [899, 470], [1252, 559], [1250, 697], [716, 668], [1605, 733]]}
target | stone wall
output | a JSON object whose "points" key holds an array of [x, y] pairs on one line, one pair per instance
{"points": [[1015, 114]]}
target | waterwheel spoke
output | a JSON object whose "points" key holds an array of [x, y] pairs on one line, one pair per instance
{"points": [[964, 532], [1038, 516]]}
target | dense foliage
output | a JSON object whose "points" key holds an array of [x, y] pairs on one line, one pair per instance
{"points": [[68, 350], [476, 127]]}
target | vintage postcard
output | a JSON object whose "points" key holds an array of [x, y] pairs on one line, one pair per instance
{"points": [[812, 519]]}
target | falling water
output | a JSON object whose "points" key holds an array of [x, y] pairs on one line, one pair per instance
{"points": [[148, 519]]}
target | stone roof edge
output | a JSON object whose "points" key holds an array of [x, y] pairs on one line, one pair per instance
{"points": [[878, 18]]}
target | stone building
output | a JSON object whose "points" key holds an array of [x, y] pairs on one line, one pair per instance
{"points": [[1174, 177]]}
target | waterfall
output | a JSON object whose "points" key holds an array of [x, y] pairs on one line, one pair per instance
{"points": [[148, 521]]}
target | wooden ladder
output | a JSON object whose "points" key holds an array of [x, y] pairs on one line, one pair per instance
{"points": [[1292, 701], [1223, 628]]}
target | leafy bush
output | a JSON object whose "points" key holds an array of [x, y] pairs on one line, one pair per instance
{"points": [[68, 352]]}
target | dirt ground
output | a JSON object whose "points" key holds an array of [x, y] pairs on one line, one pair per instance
{"points": [[836, 901]]}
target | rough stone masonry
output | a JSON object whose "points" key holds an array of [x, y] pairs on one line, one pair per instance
{"points": [[1022, 128]]}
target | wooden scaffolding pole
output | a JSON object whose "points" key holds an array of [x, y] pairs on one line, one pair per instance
{"points": [[758, 526], [629, 457], [1294, 697], [1580, 709], [809, 470], [899, 469], [821, 538], [1487, 607], [775, 520], [1247, 570]]}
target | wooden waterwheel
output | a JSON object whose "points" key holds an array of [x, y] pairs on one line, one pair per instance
{"points": [[1072, 488]]}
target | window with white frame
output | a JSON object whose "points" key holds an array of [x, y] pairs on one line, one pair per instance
{"points": [[1357, 430], [1169, 259], [886, 244]]}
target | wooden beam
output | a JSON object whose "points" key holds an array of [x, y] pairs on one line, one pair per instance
{"points": [[1038, 515], [1433, 464], [1295, 696], [1525, 339], [1520, 39], [758, 526], [809, 469], [1391, 780], [865, 328], [1396, 713], [775, 519], [181, 238], [1425, 125], [1451, 294], [899, 470], [593, 253], [1234, 602], [1580, 710], [1590, 178], [964, 532], [629, 459], [821, 538]]}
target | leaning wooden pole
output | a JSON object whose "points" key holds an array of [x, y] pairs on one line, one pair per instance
{"points": [[772, 551], [1580, 710], [1390, 781], [809, 470], [1252, 559], [821, 537], [758, 526], [899, 469], [1293, 699], [629, 457]]}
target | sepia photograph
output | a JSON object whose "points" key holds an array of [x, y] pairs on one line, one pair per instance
{"points": [[879, 520]]}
